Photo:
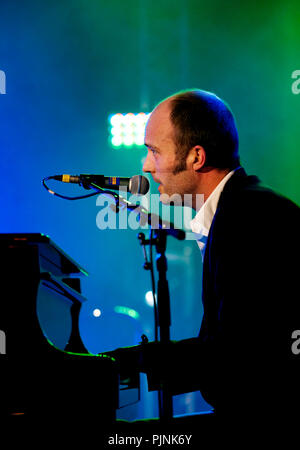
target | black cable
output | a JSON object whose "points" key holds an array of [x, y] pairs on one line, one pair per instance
{"points": [[98, 189], [63, 196]]}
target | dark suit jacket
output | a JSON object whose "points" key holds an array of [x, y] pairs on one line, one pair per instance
{"points": [[242, 359], [251, 300]]}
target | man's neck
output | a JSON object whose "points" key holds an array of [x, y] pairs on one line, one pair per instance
{"points": [[209, 181]]}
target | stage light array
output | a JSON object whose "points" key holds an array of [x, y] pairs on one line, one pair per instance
{"points": [[127, 129]]}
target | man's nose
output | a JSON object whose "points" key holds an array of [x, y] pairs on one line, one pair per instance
{"points": [[148, 165]]}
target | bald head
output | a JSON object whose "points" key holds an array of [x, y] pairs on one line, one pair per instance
{"points": [[192, 143], [160, 121], [198, 117], [161, 133]]}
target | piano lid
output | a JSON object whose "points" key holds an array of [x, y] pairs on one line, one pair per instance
{"points": [[49, 251]]}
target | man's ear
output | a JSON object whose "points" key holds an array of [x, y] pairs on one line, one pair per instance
{"points": [[198, 157]]}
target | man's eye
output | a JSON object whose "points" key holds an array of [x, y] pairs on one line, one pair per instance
{"points": [[153, 151]]}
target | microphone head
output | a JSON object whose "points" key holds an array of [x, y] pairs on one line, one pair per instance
{"points": [[139, 184]]}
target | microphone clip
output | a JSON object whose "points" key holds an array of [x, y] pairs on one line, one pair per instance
{"points": [[86, 181]]}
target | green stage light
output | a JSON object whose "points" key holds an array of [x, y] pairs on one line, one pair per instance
{"points": [[127, 129], [127, 311]]}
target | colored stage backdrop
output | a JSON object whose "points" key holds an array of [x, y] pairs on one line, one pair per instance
{"points": [[67, 67]]}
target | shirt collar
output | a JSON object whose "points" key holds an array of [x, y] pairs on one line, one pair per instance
{"points": [[202, 221]]}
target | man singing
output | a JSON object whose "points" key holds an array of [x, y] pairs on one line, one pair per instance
{"points": [[242, 360]]}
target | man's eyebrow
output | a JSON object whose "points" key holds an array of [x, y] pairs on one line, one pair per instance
{"points": [[151, 146]]}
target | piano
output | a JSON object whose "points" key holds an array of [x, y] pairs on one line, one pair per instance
{"points": [[45, 369]]}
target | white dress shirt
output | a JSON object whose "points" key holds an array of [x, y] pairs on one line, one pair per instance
{"points": [[202, 221]]}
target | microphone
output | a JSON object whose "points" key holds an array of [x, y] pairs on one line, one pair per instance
{"points": [[137, 184]]}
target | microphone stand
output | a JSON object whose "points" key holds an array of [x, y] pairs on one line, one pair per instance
{"points": [[162, 313], [164, 319], [161, 229]]}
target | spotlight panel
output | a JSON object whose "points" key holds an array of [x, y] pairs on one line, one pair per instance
{"points": [[128, 129]]}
